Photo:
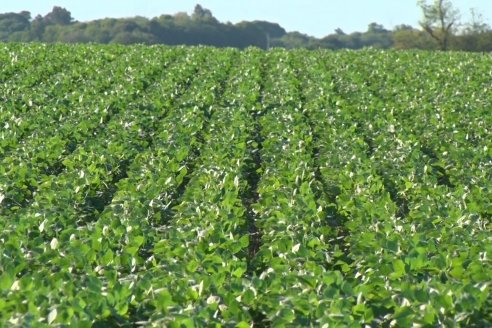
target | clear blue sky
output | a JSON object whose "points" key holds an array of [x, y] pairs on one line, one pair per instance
{"points": [[313, 17]]}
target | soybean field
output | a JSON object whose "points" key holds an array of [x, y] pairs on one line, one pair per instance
{"points": [[202, 187]]}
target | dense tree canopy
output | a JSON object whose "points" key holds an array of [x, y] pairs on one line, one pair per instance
{"points": [[438, 30]]}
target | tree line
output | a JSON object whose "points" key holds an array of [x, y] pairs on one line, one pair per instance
{"points": [[439, 29]]}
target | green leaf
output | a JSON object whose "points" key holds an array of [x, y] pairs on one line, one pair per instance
{"points": [[138, 240], [192, 266], [398, 269], [163, 300], [248, 297], [238, 273], [285, 316], [108, 257], [6, 281], [244, 241]]}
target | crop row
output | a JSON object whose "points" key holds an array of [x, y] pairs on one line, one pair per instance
{"points": [[64, 205], [401, 209]]}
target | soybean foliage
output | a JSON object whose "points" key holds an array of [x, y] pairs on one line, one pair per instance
{"points": [[182, 187]]}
